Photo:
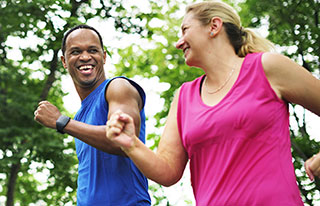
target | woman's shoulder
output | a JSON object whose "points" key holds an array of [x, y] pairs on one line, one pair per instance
{"points": [[193, 82], [272, 60]]}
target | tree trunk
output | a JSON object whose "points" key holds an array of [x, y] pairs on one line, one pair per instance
{"points": [[12, 183]]}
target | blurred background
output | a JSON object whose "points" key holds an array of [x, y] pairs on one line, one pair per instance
{"points": [[38, 166]]}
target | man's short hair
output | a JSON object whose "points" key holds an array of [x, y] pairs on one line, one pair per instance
{"points": [[81, 26]]}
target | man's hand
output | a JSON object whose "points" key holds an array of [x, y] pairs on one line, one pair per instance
{"points": [[121, 130], [312, 166], [47, 114]]}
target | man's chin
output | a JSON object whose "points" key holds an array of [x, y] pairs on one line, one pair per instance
{"points": [[87, 83]]}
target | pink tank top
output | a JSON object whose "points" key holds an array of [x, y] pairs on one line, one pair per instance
{"points": [[239, 149]]}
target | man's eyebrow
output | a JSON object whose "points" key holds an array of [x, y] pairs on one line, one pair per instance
{"points": [[94, 47], [74, 48]]}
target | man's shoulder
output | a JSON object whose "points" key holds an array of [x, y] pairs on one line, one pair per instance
{"points": [[124, 86]]}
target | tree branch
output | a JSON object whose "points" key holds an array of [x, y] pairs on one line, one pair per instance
{"points": [[51, 78]]}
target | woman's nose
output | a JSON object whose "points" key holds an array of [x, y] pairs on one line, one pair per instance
{"points": [[180, 43]]}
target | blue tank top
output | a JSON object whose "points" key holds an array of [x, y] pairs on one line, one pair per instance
{"points": [[105, 179]]}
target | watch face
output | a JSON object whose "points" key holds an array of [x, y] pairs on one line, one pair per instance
{"points": [[61, 123]]}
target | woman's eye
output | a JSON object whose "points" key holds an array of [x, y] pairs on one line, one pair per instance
{"points": [[184, 30]]}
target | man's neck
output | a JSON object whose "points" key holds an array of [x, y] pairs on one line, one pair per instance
{"points": [[83, 92]]}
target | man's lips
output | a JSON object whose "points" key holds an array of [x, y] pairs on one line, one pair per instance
{"points": [[86, 69]]}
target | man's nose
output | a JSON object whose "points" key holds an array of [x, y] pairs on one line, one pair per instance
{"points": [[85, 56]]}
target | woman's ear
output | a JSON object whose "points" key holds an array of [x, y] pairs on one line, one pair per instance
{"points": [[216, 24]]}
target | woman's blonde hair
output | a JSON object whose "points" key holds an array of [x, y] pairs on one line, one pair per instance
{"points": [[244, 40]]}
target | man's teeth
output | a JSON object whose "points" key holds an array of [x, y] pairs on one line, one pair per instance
{"points": [[85, 67]]}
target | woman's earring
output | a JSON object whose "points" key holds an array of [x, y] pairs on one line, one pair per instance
{"points": [[211, 34]]}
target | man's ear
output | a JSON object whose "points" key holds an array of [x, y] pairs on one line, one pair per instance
{"points": [[104, 56], [63, 60], [216, 24]]}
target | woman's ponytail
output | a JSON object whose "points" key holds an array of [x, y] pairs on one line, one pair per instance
{"points": [[252, 42]]}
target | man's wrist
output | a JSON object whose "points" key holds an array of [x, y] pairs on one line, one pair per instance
{"points": [[61, 123]]}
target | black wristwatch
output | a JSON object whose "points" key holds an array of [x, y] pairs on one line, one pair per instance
{"points": [[61, 123]]}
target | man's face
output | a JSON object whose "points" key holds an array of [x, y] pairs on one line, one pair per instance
{"points": [[84, 58]]}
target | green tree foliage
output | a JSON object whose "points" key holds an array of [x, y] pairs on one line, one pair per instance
{"points": [[163, 59]]}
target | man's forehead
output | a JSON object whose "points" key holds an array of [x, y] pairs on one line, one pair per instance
{"points": [[82, 35]]}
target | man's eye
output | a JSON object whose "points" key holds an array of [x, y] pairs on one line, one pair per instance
{"points": [[75, 52], [92, 51]]}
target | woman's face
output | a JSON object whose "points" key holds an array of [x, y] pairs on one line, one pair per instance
{"points": [[194, 39]]}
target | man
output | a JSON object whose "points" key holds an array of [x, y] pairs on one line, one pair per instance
{"points": [[106, 176]]}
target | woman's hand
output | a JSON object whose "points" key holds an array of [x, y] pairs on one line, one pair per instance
{"points": [[121, 130], [312, 166]]}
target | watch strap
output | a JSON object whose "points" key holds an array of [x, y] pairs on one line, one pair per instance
{"points": [[62, 122]]}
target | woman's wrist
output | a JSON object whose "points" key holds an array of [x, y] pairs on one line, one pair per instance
{"points": [[129, 149]]}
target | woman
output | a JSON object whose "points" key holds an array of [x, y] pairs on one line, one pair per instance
{"points": [[231, 123]]}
